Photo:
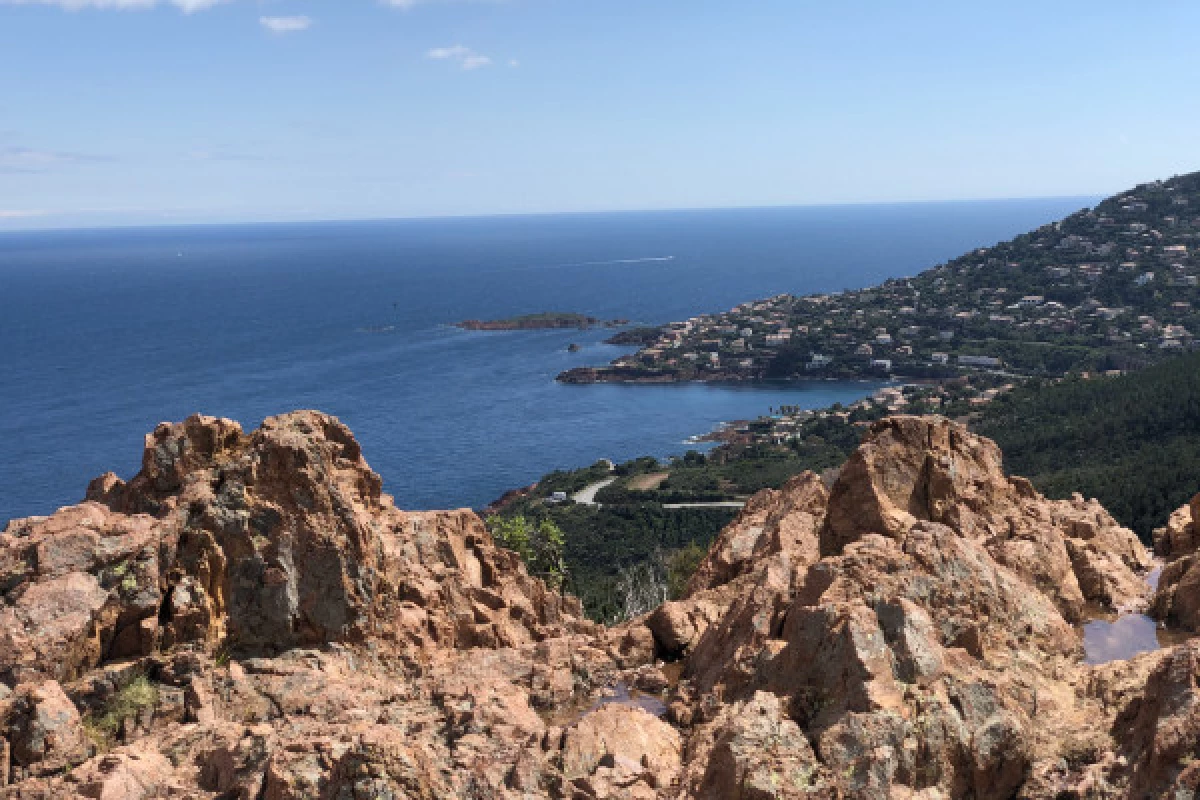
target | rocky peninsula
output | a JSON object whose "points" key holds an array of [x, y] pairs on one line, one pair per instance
{"points": [[252, 617], [544, 320]]}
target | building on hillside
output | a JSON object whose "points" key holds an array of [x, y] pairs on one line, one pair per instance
{"points": [[979, 361], [818, 362]]}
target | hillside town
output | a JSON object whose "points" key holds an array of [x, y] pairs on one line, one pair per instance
{"points": [[1112, 288]]}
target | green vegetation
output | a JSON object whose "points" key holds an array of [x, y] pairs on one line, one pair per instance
{"points": [[545, 319], [572, 481], [540, 545], [681, 566], [598, 543], [1015, 334], [1112, 287], [137, 694], [641, 336], [1132, 442]]}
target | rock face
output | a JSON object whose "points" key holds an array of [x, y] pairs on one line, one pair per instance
{"points": [[251, 617], [1177, 600]]}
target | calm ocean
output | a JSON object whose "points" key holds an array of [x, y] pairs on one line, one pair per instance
{"points": [[105, 333]]}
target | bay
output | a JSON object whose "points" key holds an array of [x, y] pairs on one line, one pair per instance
{"points": [[105, 333]]}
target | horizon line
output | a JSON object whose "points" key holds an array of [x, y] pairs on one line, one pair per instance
{"points": [[69, 228]]}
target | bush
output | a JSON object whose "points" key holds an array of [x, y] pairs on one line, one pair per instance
{"points": [[539, 544], [137, 694]]}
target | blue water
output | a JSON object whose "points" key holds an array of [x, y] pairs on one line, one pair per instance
{"points": [[105, 333]]}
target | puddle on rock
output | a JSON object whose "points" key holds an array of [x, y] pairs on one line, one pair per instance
{"points": [[1122, 638], [625, 695], [1118, 638], [1153, 577], [621, 693]]}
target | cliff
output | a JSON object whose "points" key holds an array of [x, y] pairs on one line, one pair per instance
{"points": [[251, 617]]}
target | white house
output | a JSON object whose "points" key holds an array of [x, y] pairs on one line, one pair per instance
{"points": [[818, 362]]}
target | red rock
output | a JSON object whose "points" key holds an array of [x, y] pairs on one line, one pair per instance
{"points": [[625, 739], [909, 634], [138, 775], [45, 730]]}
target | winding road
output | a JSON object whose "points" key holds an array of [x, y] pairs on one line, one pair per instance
{"points": [[587, 497]]}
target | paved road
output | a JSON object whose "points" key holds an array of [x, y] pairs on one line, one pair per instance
{"points": [[587, 497], [725, 504]]}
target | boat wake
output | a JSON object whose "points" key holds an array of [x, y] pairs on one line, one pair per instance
{"points": [[644, 260], [608, 263]]}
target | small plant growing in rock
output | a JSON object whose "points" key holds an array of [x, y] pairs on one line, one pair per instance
{"points": [[137, 694], [223, 654]]}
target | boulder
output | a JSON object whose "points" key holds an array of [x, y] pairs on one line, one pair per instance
{"points": [[45, 731], [756, 751], [625, 739], [672, 627]]}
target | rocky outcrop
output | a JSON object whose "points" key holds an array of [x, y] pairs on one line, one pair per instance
{"points": [[912, 469], [912, 632], [265, 579], [1177, 600], [251, 617], [259, 544]]}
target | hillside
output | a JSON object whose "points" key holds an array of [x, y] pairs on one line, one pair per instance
{"points": [[1113, 287], [1132, 442]]}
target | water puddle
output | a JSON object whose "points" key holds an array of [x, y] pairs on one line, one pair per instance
{"points": [[1153, 577], [1121, 637], [621, 694]]}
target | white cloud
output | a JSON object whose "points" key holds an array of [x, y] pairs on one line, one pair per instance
{"points": [[456, 52], [186, 6], [467, 58], [191, 6], [285, 24], [17, 213], [407, 4], [28, 159]]}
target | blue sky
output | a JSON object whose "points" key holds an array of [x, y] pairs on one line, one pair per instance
{"points": [[145, 112]]}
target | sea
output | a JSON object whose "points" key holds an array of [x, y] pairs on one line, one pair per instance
{"points": [[105, 333]]}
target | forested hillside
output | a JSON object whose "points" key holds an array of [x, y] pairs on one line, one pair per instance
{"points": [[1133, 442]]}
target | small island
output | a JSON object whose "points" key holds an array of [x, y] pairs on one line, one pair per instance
{"points": [[544, 320]]}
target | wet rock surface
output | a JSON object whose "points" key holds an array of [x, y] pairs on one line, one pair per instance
{"points": [[251, 617]]}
